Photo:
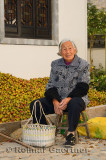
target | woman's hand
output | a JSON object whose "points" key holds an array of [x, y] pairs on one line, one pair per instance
{"points": [[64, 102], [56, 107]]}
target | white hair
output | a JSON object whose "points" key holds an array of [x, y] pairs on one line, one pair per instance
{"points": [[65, 40]]}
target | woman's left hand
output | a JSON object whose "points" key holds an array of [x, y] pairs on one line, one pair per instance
{"points": [[64, 102]]}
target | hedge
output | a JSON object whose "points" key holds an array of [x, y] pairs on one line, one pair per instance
{"points": [[16, 95]]}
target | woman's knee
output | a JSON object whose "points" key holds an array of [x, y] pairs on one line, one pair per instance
{"points": [[75, 103], [75, 100]]}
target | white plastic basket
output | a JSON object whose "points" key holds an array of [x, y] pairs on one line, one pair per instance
{"points": [[38, 134]]}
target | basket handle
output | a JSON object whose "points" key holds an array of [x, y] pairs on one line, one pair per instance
{"points": [[41, 111], [34, 106], [24, 126]]}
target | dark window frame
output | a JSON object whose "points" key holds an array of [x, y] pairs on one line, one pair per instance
{"points": [[98, 42], [38, 33]]}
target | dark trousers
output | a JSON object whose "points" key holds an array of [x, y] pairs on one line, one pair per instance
{"points": [[74, 107]]}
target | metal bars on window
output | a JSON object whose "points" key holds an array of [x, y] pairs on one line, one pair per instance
{"points": [[42, 13], [43, 20], [28, 18], [27, 12], [10, 12], [11, 17]]}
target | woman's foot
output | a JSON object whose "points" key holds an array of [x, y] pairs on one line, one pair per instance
{"points": [[70, 140]]}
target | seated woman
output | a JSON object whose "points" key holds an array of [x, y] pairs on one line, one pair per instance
{"points": [[66, 89]]}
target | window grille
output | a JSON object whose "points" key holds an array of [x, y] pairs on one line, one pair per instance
{"points": [[28, 18], [11, 16]]}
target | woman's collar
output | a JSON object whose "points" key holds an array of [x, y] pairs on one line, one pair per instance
{"points": [[73, 63]]}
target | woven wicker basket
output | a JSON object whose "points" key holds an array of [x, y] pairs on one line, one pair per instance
{"points": [[38, 134]]}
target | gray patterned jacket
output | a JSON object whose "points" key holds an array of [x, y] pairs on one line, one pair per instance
{"points": [[66, 77]]}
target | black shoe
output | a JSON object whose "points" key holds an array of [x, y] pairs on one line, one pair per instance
{"points": [[70, 140]]}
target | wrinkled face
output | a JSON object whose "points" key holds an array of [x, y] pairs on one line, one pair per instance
{"points": [[68, 51]]}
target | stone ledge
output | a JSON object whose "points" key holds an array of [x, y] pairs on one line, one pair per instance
{"points": [[8, 127], [96, 111]]}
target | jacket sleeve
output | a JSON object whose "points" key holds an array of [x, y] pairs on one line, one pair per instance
{"points": [[51, 91], [82, 87], [80, 90]]}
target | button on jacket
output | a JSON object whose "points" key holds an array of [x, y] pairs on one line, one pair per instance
{"points": [[68, 80]]}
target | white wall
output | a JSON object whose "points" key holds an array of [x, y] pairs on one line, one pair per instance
{"points": [[98, 56], [27, 61], [73, 23], [30, 61]]}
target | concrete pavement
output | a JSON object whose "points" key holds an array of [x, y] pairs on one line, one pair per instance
{"points": [[87, 149]]}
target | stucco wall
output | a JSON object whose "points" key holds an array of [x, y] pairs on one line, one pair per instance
{"points": [[30, 61]]}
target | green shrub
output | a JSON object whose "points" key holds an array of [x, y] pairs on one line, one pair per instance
{"points": [[98, 79], [99, 83], [97, 72], [16, 95]]}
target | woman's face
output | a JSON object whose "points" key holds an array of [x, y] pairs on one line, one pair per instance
{"points": [[68, 51]]}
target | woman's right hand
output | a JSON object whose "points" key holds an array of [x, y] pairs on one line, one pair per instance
{"points": [[56, 107]]}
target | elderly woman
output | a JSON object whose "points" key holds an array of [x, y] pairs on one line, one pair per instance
{"points": [[67, 88]]}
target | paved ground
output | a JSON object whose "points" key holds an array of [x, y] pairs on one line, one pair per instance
{"points": [[87, 149]]}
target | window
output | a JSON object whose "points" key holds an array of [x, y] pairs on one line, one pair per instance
{"points": [[98, 42], [28, 19], [12, 30]]}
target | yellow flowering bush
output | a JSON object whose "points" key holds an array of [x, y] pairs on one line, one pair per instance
{"points": [[16, 95]]}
